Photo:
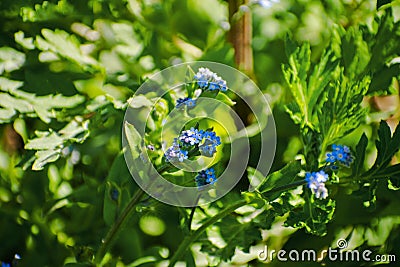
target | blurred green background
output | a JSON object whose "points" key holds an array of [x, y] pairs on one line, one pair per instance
{"points": [[68, 67]]}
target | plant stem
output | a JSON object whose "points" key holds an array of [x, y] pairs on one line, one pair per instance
{"points": [[116, 227], [194, 235], [240, 36], [192, 213], [118, 224], [228, 210], [284, 187]]}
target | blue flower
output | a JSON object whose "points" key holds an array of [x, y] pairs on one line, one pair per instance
{"points": [[316, 182], [209, 144], [213, 86], [189, 102], [175, 153], [4, 264], [191, 137], [341, 154], [205, 177], [207, 79], [207, 151]]}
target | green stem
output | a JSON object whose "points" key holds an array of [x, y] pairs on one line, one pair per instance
{"points": [[192, 212], [118, 224], [112, 233], [284, 187], [196, 234], [228, 210]]}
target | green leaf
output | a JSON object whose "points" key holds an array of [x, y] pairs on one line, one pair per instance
{"points": [[67, 46], [140, 101], [306, 87], [383, 79], [45, 156], [387, 145], [6, 115], [9, 85], [134, 140], [24, 42], [190, 84], [354, 53], [314, 216], [284, 176], [10, 59], [225, 99], [49, 141], [44, 107], [255, 177], [49, 144], [111, 205], [341, 110], [358, 163], [236, 235]]}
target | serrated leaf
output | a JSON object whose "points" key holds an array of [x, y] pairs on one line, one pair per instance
{"points": [[10, 59], [236, 235], [281, 177], [355, 53], [382, 79], [20, 105], [24, 42], [387, 145], [6, 115], [45, 156], [358, 163], [50, 141], [341, 111], [65, 45], [306, 87], [314, 216], [9, 85]]}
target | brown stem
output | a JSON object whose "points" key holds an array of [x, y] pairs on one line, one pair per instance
{"points": [[240, 36]]}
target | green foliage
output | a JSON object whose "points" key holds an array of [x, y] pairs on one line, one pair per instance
{"points": [[387, 145], [68, 71], [284, 176], [235, 234], [307, 88]]}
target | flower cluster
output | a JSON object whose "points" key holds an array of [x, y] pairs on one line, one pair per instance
{"points": [[207, 79], [205, 177], [341, 154], [205, 141], [175, 153], [187, 101], [209, 144], [191, 137], [316, 182]]}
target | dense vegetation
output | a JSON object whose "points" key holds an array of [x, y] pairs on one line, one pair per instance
{"points": [[73, 83]]}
